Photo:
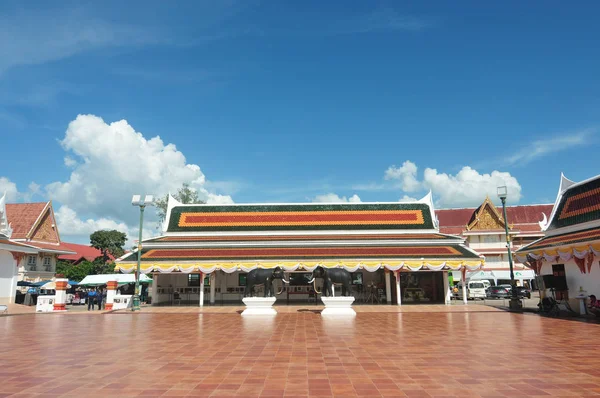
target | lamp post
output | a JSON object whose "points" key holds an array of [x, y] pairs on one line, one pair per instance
{"points": [[137, 201], [515, 303]]}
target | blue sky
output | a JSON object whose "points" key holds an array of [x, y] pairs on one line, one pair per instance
{"points": [[273, 101]]}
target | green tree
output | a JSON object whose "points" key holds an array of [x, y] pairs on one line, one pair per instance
{"points": [[185, 195], [75, 272], [109, 242], [101, 267]]}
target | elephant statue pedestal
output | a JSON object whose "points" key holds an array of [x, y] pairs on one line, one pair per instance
{"points": [[259, 306], [338, 306]]}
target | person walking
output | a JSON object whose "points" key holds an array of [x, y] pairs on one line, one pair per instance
{"points": [[91, 298]]}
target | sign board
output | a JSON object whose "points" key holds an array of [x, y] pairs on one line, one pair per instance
{"points": [[121, 302], [45, 304]]}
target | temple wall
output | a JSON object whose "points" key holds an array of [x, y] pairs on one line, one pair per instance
{"points": [[8, 277], [590, 282]]}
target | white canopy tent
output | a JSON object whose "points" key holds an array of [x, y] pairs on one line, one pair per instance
{"points": [[95, 280], [525, 274]]}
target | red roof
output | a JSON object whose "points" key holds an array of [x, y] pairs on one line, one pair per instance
{"points": [[50, 246], [22, 217], [81, 251], [523, 218]]}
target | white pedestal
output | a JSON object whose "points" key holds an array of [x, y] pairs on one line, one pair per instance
{"points": [[582, 297], [259, 306], [338, 306]]}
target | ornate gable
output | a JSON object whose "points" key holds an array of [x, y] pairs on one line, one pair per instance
{"points": [[486, 217], [45, 230]]}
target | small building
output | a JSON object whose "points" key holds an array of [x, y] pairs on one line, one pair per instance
{"points": [[29, 245], [82, 253], [483, 228], [570, 249], [371, 240]]}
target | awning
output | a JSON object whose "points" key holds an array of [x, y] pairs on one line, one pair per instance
{"points": [[563, 247], [352, 266], [40, 283], [51, 286], [97, 280]]}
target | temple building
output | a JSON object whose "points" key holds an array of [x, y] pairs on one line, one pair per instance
{"points": [[395, 251], [484, 230], [569, 252], [29, 245]]}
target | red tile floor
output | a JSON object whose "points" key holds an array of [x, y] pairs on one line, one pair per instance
{"points": [[414, 354]]}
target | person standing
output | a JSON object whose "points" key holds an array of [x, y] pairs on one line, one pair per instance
{"points": [[91, 298], [99, 298]]}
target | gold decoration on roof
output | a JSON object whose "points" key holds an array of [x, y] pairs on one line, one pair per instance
{"points": [[487, 217]]}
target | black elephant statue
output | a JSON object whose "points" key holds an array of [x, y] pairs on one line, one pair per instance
{"points": [[260, 276], [330, 276]]}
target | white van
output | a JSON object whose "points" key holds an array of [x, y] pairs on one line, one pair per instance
{"points": [[476, 290]]}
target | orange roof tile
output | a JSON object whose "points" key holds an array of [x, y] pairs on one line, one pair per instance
{"points": [[22, 217]]}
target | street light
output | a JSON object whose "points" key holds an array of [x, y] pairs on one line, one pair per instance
{"points": [[515, 303], [137, 201]]}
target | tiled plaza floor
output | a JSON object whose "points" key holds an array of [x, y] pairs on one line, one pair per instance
{"points": [[392, 354]]}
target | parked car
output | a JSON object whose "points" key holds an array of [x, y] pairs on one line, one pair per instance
{"points": [[476, 290], [523, 292], [498, 292]]}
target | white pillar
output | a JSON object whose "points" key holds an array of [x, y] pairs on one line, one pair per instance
{"points": [[213, 282], [111, 291], [398, 290], [447, 292], [201, 290], [464, 284], [60, 298], [388, 287]]}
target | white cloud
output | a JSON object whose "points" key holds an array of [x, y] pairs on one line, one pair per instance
{"points": [[70, 162], [334, 198], [468, 187], [407, 198], [13, 194], [550, 145], [10, 188], [406, 175], [112, 162], [72, 226]]}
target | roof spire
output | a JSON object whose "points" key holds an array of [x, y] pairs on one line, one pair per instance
{"points": [[5, 228]]}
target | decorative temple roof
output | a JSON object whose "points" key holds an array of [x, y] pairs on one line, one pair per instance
{"points": [[579, 238], [363, 235], [34, 225], [301, 217], [24, 216], [573, 230], [576, 203], [523, 219]]}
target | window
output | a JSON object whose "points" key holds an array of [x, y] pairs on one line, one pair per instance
{"points": [[194, 280], [491, 239], [32, 260], [493, 259], [47, 261]]}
